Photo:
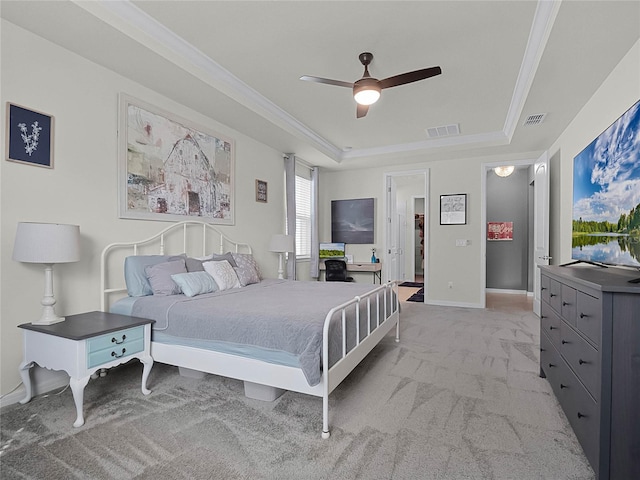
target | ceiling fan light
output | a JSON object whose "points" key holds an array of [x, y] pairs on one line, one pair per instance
{"points": [[504, 171], [366, 91]]}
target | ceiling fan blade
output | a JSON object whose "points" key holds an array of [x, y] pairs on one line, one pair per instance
{"points": [[409, 77], [362, 110], [328, 81]]}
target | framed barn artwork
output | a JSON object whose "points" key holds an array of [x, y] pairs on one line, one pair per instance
{"points": [[171, 168]]}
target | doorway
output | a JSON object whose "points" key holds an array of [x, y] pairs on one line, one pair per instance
{"points": [[406, 196], [517, 240]]}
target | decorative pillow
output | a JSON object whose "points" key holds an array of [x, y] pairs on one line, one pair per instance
{"points": [[135, 276], [193, 264], [227, 256], [223, 274], [247, 276], [246, 260], [160, 277], [195, 283]]}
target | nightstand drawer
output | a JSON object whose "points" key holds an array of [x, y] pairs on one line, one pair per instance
{"points": [[568, 305], [114, 352], [555, 295], [121, 337]]}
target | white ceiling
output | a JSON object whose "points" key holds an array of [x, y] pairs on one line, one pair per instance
{"points": [[239, 62]]}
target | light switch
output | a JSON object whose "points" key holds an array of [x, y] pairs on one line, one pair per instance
{"points": [[462, 242]]}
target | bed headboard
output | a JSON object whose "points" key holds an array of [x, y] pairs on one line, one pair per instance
{"points": [[195, 238]]}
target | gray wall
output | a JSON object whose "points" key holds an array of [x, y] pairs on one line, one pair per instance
{"points": [[508, 201]]}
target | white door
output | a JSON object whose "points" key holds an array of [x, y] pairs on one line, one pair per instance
{"points": [[391, 264], [402, 239], [540, 224]]}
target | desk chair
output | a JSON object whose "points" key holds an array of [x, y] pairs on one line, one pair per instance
{"points": [[336, 271]]}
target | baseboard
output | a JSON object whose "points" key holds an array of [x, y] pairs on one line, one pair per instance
{"points": [[442, 303], [43, 387], [503, 290]]}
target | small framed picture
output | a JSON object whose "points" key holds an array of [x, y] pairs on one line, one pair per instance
{"points": [[261, 191], [453, 209], [29, 137]]}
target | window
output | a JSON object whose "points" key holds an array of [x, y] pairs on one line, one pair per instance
{"points": [[303, 217]]}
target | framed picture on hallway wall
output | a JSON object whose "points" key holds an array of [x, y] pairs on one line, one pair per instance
{"points": [[29, 136], [171, 169], [453, 209]]}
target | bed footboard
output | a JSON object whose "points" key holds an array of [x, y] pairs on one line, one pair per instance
{"points": [[382, 308]]}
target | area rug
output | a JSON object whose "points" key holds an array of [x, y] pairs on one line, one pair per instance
{"points": [[458, 398], [411, 284], [417, 297]]}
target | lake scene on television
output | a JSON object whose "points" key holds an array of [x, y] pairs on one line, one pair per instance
{"points": [[606, 195]]}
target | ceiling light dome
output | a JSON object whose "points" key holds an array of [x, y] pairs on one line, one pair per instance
{"points": [[504, 171], [366, 91]]}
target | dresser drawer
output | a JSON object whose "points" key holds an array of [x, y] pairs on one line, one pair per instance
{"points": [[568, 304], [114, 352], [544, 288], [582, 358], [583, 415], [114, 339], [550, 324], [589, 317], [555, 295], [550, 361]]}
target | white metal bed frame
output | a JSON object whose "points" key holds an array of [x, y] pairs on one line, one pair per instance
{"points": [[379, 300]]}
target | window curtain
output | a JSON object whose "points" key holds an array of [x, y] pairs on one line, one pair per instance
{"points": [[290, 189], [314, 265]]}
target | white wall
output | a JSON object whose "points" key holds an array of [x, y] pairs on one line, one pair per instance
{"points": [[618, 92], [82, 189]]}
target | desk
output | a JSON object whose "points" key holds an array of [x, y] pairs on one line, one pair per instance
{"points": [[375, 268], [83, 344]]}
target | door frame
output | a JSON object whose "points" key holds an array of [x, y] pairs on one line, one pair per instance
{"points": [[486, 167], [388, 211]]}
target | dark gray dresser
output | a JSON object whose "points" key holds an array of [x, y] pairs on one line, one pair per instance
{"points": [[590, 354]]}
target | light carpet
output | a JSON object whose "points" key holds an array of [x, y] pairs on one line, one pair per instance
{"points": [[458, 398]]}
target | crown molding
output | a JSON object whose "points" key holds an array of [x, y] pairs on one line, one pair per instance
{"points": [[126, 17]]}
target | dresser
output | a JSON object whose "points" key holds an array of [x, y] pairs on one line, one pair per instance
{"points": [[83, 344], [590, 354]]}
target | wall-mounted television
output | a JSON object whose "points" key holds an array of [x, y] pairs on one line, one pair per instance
{"points": [[331, 250], [606, 195], [352, 221]]}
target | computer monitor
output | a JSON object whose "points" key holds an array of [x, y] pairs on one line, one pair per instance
{"points": [[332, 250]]}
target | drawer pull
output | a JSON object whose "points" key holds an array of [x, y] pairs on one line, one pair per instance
{"points": [[542, 289], [582, 362], [564, 342], [543, 349], [551, 365], [553, 294], [580, 415], [564, 304], [114, 354], [563, 386], [582, 315], [115, 340], [551, 327]]}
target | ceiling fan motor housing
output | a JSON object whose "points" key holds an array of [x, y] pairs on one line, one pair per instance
{"points": [[366, 91]]}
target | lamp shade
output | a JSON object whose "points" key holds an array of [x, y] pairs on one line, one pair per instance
{"points": [[281, 243], [366, 91], [47, 243]]}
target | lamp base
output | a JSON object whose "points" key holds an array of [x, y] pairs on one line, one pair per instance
{"points": [[48, 317]]}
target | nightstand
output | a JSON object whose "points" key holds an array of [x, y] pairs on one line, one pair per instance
{"points": [[83, 344]]}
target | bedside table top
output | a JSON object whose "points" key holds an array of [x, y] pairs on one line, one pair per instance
{"points": [[87, 325]]}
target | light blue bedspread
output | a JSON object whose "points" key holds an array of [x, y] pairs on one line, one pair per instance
{"points": [[279, 315]]}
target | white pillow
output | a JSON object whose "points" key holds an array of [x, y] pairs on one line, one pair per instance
{"points": [[195, 283], [223, 273]]}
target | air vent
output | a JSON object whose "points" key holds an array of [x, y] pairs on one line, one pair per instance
{"points": [[443, 131], [536, 119]]}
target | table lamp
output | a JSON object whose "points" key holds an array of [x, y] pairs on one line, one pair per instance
{"points": [[281, 244], [47, 243]]}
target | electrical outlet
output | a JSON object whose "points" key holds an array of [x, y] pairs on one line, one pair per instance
{"points": [[450, 284]]}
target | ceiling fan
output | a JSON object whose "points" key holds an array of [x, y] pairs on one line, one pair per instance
{"points": [[366, 91]]}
